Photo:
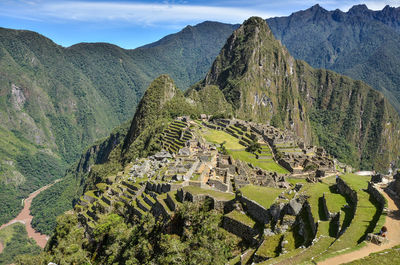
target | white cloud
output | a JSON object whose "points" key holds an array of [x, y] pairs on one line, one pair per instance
{"points": [[131, 13], [379, 5]]}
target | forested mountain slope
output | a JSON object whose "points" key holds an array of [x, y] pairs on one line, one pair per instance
{"points": [[361, 43], [56, 101]]}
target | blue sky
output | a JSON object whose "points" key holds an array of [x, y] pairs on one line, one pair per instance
{"points": [[130, 24]]}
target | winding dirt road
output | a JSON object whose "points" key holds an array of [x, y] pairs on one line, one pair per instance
{"points": [[392, 222], [25, 217]]}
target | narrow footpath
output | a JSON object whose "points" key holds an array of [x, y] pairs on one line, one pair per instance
{"points": [[25, 217], [392, 222]]}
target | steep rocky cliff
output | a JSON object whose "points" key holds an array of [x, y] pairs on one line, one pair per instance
{"points": [[262, 82]]}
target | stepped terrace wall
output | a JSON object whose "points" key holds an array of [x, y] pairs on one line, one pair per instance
{"points": [[256, 211], [219, 204], [238, 228], [376, 194]]}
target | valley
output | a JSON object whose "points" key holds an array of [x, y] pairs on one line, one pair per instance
{"points": [[227, 148], [25, 218]]}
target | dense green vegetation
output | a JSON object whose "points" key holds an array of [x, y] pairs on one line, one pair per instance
{"points": [[193, 236], [60, 100], [63, 195], [38, 170], [16, 242], [53, 202], [360, 43], [348, 117], [325, 125]]}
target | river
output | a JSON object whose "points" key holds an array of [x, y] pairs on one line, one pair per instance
{"points": [[25, 217]]}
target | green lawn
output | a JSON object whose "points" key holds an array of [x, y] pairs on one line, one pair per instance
{"points": [[217, 137], [296, 180], [326, 246], [270, 166], [270, 247], [334, 201], [232, 143], [241, 217], [361, 222], [304, 256], [217, 194], [265, 196]]}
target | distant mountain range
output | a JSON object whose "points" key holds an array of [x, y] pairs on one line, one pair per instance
{"points": [[55, 101], [360, 43]]}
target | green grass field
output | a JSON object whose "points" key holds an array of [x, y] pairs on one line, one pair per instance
{"points": [[218, 137], [326, 246], [361, 223], [334, 201], [243, 218], [270, 165], [270, 247], [213, 193], [232, 143], [265, 196]]}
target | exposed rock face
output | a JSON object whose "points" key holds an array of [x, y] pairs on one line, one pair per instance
{"points": [[262, 82], [257, 76], [294, 207]]}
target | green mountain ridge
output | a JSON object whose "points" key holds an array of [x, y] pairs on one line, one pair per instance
{"points": [[56, 101], [126, 189], [264, 83], [360, 43], [320, 106]]}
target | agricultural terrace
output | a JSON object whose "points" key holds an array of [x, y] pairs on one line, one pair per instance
{"points": [[237, 151]]}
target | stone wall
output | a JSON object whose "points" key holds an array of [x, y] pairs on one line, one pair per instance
{"points": [[376, 195], [324, 207], [158, 210], [241, 230], [346, 191], [335, 224], [310, 218], [218, 185], [223, 206], [286, 165], [256, 211], [162, 187], [170, 202]]}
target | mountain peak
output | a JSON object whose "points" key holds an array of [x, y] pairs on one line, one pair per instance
{"points": [[245, 47], [254, 21], [160, 91], [358, 9]]}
